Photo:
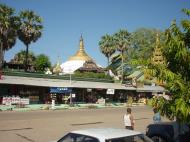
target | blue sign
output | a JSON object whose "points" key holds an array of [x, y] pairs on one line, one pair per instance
{"points": [[60, 90]]}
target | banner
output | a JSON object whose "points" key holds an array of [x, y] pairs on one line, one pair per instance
{"points": [[15, 100]]}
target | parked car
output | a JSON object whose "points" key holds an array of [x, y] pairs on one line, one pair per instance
{"points": [[105, 135], [168, 132]]}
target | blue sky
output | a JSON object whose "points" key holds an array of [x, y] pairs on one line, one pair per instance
{"points": [[65, 20]]}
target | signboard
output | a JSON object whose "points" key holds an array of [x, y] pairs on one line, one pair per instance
{"points": [[60, 90], [15, 100], [73, 95], [101, 101], [110, 91], [89, 90]]}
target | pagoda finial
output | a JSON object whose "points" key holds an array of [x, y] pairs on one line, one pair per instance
{"points": [[81, 54], [81, 46], [58, 60], [81, 38], [157, 57], [157, 40]]}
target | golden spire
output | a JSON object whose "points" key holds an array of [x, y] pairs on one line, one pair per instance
{"points": [[157, 57], [57, 69], [81, 54], [157, 40], [81, 44]]}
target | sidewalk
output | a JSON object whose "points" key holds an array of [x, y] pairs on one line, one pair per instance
{"points": [[64, 106]]}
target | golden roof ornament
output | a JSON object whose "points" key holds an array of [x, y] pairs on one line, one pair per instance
{"points": [[57, 69], [81, 54], [157, 57]]}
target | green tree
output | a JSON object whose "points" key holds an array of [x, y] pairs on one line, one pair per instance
{"points": [[122, 43], [19, 58], [143, 43], [9, 24], [177, 72], [106, 45], [30, 30], [42, 62]]}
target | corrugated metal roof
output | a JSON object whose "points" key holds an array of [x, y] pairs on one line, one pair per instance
{"points": [[74, 84], [61, 83], [148, 88]]}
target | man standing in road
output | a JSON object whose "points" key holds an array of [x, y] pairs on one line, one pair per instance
{"points": [[129, 120]]}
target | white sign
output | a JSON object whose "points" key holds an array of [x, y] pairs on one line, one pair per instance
{"points": [[15, 100], [24, 101], [110, 91], [101, 101], [73, 95], [89, 90]]}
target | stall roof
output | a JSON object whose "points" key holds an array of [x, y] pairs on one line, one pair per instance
{"points": [[44, 82], [148, 88], [61, 83]]}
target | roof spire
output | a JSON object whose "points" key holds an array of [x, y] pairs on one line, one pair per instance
{"points": [[157, 57], [81, 44], [157, 40], [81, 54]]}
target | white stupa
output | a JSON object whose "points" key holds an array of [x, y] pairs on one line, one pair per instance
{"points": [[77, 61]]}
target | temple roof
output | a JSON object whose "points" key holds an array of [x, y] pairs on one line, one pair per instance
{"points": [[81, 54]]}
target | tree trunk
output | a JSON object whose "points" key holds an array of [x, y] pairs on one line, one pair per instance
{"points": [[1, 56], [26, 59], [122, 69], [108, 61]]}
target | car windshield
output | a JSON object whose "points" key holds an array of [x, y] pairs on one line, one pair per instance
{"points": [[135, 138], [72, 137]]}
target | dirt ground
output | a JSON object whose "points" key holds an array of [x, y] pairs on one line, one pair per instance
{"points": [[49, 125]]}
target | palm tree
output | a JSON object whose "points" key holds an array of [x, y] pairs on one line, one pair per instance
{"points": [[30, 30], [122, 43], [9, 24], [107, 46]]}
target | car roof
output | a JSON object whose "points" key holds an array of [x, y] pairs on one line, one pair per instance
{"points": [[106, 133]]}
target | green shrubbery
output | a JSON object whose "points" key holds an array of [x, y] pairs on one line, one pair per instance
{"points": [[92, 75]]}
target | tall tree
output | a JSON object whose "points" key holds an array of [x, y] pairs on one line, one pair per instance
{"points": [[122, 43], [30, 30], [9, 24], [177, 72], [143, 43], [106, 45]]}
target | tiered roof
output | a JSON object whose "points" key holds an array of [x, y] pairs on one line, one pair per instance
{"points": [[157, 57]]}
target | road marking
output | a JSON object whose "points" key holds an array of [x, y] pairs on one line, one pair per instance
{"points": [[17, 129], [87, 123], [26, 138]]}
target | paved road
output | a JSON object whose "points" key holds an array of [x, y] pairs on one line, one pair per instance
{"points": [[48, 125]]}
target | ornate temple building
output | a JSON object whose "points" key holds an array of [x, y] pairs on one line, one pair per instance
{"points": [[138, 78], [80, 61]]}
